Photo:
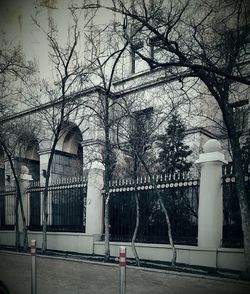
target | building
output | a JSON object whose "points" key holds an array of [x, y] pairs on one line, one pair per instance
{"points": [[90, 101]]}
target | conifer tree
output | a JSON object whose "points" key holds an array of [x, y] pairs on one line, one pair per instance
{"points": [[174, 152]]}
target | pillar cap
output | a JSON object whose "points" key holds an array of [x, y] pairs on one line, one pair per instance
{"points": [[25, 173], [212, 145], [212, 153], [212, 157], [97, 165]]}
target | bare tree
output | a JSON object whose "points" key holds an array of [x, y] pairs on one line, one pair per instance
{"points": [[15, 136], [58, 102], [212, 46], [104, 59], [140, 138], [14, 74]]}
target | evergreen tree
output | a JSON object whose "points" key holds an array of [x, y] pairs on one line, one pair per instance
{"points": [[173, 154]]}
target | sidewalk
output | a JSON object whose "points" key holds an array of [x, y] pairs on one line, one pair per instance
{"points": [[56, 275]]}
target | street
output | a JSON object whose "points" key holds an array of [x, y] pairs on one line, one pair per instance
{"points": [[55, 275]]}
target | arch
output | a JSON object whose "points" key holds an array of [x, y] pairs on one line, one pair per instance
{"points": [[32, 151], [72, 141], [68, 156], [30, 158]]}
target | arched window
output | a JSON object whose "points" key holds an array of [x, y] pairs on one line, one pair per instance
{"points": [[31, 159], [68, 157]]}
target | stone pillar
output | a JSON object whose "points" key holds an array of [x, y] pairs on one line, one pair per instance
{"points": [[210, 215], [25, 179], [44, 159], [94, 208]]}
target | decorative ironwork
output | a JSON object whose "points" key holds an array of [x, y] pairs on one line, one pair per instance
{"points": [[66, 205], [232, 231], [180, 197], [7, 209]]}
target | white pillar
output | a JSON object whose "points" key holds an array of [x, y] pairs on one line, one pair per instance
{"points": [[44, 159], [94, 208], [25, 179], [210, 215]]}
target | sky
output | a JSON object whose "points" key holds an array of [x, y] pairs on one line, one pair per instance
{"points": [[17, 26]]}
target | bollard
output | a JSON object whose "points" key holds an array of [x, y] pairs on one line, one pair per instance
{"points": [[33, 267], [122, 262]]}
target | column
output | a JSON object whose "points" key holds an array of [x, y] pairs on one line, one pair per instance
{"points": [[210, 215], [25, 179], [94, 208]]}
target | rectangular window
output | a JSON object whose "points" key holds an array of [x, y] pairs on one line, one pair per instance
{"points": [[158, 51], [135, 59], [141, 128]]}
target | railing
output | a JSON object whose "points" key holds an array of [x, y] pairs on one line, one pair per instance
{"points": [[66, 205], [180, 197], [232, 231], [7, 209]]}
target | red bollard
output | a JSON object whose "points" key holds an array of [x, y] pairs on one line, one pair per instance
{"points": [[122, 262], [33, 267]]}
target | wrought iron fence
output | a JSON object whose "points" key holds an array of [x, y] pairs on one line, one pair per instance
{"points": [[232, 231], [180, 197], [66, 205], [7, 209]]}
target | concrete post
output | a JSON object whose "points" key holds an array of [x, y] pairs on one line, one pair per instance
{"points": [[25, 179], [44, 160], [94, 208], [33, 267], [122, 263], [210, 220]]}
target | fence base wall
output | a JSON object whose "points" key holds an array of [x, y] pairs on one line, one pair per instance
{"points": [[223, 258], [61, 241]]}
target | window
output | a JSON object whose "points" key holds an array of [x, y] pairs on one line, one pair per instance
{"points": [[154, 44], [157, 50], [135, 59], [141, 129]]}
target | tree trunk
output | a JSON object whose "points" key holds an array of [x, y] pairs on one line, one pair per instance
{"points": [[173, 261], [45, 200], [18, 201], [174, 257], [136, 229], [107, 175], [137, 221], [106, 224], [17, 224], [45, 221]]}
